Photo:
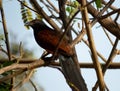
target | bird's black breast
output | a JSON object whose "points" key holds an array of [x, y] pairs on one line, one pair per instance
{"points": [[45, 38]]}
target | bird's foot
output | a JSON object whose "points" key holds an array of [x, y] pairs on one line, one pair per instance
{"points": [[48, 59]]}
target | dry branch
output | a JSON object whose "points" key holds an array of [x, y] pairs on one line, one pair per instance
{"points": [[29, 66], [5, 30], [113, 65], [92, 47], [109, 24]]}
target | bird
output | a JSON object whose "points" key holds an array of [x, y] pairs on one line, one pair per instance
{"points": [[48, 38]]}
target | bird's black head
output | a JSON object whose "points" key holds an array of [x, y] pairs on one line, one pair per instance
{"points": [[37, 24]]}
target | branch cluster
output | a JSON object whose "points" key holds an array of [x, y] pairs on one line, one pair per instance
{"points": [[65, 18]]}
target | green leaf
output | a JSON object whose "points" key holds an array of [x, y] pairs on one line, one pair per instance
{"points": [[76, 4], [7, 63], [1, 37], [98, 3], [4, 87], [68, 9], [26, 13]]}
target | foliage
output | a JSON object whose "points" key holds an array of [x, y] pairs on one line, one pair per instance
{"points": [[26, 13], [5, 87], [15, 50], [98, 3], [72, 8]]}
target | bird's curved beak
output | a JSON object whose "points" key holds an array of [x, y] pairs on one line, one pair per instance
{"points": [[28, 24]]}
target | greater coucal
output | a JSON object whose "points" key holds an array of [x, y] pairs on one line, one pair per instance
{"points": [[48, 38]]}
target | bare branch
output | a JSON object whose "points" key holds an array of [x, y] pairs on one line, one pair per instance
{"points": [[110, 59], [5, 30], [23, 81], [92, 47], [22, 66], [41, 12], [107, 23]]}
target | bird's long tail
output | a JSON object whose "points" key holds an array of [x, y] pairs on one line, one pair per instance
{"points": [[72, 74]]}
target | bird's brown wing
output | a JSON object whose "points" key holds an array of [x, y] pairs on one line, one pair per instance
{"points": [[49, 39]]}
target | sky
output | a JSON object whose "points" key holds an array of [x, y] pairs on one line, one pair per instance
{"points": [[51, 79]]}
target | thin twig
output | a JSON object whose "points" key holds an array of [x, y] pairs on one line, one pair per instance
{"points": [[111, 7], [100, 55], [66, 31], [55, 9], [24, 80], [94, 21], [92, 47], [6, 36], [4, 51], [5, 30], [107, 23], [78, 38], [26, 6], [50, 9], [113, 65], [110, 59], [102, 11], [108, 36], [33, 84], [23, 66], [3, 79], [110, 13], [46, 17]]}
